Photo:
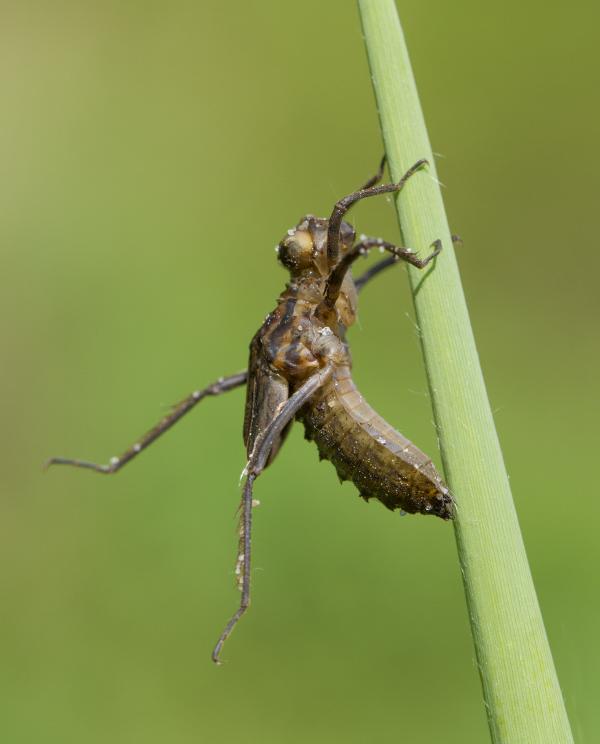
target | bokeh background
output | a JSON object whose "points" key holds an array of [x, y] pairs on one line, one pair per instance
{"points": [[152, 155]]}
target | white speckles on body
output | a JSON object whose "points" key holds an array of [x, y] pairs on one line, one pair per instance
{"points": [[114, 460], [137, 447], [381, 440], [239, 564]]}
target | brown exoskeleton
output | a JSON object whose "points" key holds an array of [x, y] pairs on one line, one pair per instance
{"points": [[299, 368]]}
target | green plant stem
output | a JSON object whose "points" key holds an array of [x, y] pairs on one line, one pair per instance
{"points": [[521, 690]]}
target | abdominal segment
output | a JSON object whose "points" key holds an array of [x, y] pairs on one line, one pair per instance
{"points": [[366, 450]]}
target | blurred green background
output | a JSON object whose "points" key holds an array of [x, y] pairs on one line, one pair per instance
{"points": [[152, 155]]}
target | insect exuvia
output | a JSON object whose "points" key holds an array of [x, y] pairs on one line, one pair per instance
{"points": [[299, 368]]}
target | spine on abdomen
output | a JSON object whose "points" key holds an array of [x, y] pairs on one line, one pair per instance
{"points": [[368, 451]]}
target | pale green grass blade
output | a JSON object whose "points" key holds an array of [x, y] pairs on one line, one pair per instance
{"points": [[522, 694]]}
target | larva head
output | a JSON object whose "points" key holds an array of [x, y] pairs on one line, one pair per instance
{"points": [[304, 249]]}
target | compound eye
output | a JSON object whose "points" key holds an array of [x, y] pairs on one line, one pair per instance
{"points": [[295, 250]]}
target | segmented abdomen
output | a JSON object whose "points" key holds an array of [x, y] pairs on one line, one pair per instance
{"points": [[366, 450]]}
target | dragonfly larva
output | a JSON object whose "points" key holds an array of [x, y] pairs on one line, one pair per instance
{"points": [[300, 368]]}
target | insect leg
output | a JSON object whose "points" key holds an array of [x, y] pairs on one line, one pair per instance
{"points": [[336, 277], [243, 562], [374, 271], [377, 177], [343, 205], [180, 409], [256, 464], [385, 264]]}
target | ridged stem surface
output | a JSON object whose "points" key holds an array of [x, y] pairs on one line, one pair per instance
{"points": [[522, 695]]}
